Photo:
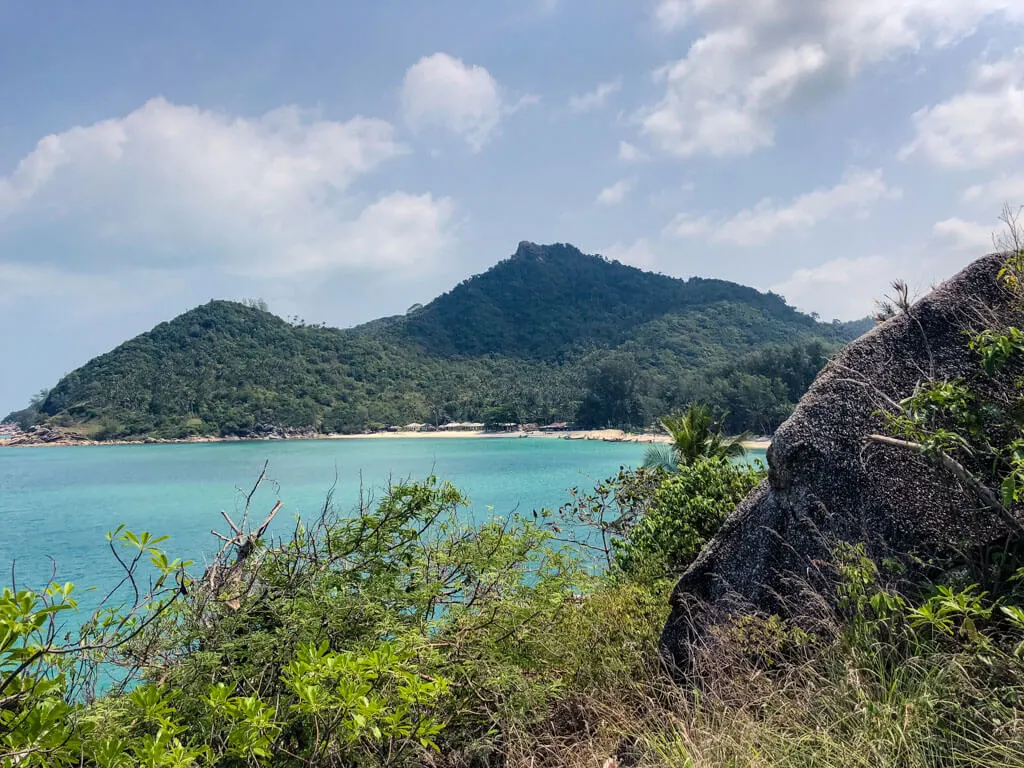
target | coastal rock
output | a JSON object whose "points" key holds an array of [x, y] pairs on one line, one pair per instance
{"points": [[40, 435], [828, 484]]}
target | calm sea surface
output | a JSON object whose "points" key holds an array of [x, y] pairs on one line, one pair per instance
{"points": [[56, 504]]}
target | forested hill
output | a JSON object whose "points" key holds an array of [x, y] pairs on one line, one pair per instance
{"points": [[546, 301], [549, 334]]}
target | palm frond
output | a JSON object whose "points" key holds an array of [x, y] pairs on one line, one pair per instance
{"points": [[660, 457], [697, 433]]}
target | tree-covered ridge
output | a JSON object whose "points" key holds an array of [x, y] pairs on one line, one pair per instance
{"points": [[547, 335], [545, 302]]}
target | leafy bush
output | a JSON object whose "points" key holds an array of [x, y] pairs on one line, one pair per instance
{"points": [[44, 680], [374, 639], [405, 635], [687, 510]]}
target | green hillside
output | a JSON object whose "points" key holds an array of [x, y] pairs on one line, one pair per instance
{"points": [[549, 334], [545, 302]]}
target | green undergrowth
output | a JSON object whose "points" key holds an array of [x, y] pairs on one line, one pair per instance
{"points": [[405, 635]]}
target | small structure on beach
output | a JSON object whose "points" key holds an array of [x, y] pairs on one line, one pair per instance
{"points": [[558, 426], [462, 426]]}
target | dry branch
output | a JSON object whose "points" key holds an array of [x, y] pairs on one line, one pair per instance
{"points": [[223, 578]]}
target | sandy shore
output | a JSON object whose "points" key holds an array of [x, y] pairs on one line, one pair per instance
{"points": [[605, 435], [608, 435]]}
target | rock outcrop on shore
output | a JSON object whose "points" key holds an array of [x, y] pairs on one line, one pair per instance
{"points": [[828, 483], [57, 436], [40, 435]]}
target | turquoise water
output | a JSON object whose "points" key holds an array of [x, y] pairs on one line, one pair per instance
{"points": [[56, 504]]}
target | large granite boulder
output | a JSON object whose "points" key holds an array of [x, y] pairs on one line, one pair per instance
{"points": [[828, 483]]}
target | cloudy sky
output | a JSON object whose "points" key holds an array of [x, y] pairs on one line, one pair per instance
{"points": [[346, 159]]}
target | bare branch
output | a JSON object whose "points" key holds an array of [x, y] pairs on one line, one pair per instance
{"points": [[266, 522], [231, 523], [1012, 237]]}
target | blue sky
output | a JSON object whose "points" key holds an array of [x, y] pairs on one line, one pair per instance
{"points": [[344, 160]]}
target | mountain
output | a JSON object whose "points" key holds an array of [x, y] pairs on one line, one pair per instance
{"points": [[546, 301], [549, 334]]}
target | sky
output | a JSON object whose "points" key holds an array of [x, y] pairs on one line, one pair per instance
{"points": [[345, 160]]}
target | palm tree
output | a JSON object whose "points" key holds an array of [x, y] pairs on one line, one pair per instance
{"points": [[696, 434]]}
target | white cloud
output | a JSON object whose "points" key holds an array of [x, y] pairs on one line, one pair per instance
{"points": [[616, 193], [1006, 188], [638, 254], [440, 90], [979, 127], [628, 153], [688, 225], [596, 98], [963, 237], [843, 288], [753, 61], [523, 102], [857, 192], [401, 229], [171, 186], [848, 287], [672, 14]]}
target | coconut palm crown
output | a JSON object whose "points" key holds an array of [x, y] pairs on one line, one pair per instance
{"points": [[696, 434]]}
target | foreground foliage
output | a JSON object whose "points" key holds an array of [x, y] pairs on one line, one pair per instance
{"points": [[372, 639], [406, 634], [686, 510]]}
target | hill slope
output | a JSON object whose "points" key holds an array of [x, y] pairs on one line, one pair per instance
{"points": [[546, 301], [548, 334]]}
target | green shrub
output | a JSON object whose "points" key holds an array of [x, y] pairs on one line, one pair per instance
{"points": [[378, 639], [687, 510], [406, 635]]}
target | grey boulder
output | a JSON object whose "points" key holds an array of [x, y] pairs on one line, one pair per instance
{"points": [[829, 483]]}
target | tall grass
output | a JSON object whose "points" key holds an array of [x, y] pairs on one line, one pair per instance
{"points": [[911, 686]]}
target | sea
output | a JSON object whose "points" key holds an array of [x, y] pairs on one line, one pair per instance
{"points": [[57, 504]]}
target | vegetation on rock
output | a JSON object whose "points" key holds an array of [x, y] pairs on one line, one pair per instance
{"points": [[905, 444]]}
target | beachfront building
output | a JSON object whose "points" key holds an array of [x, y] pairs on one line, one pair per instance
{"points": [[559, 426], [462, 426]]}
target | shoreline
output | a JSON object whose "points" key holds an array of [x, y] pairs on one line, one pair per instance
{"points": [[601, 435]]}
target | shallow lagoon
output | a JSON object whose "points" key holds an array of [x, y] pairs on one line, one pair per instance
{"points": [[56, 504]]}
